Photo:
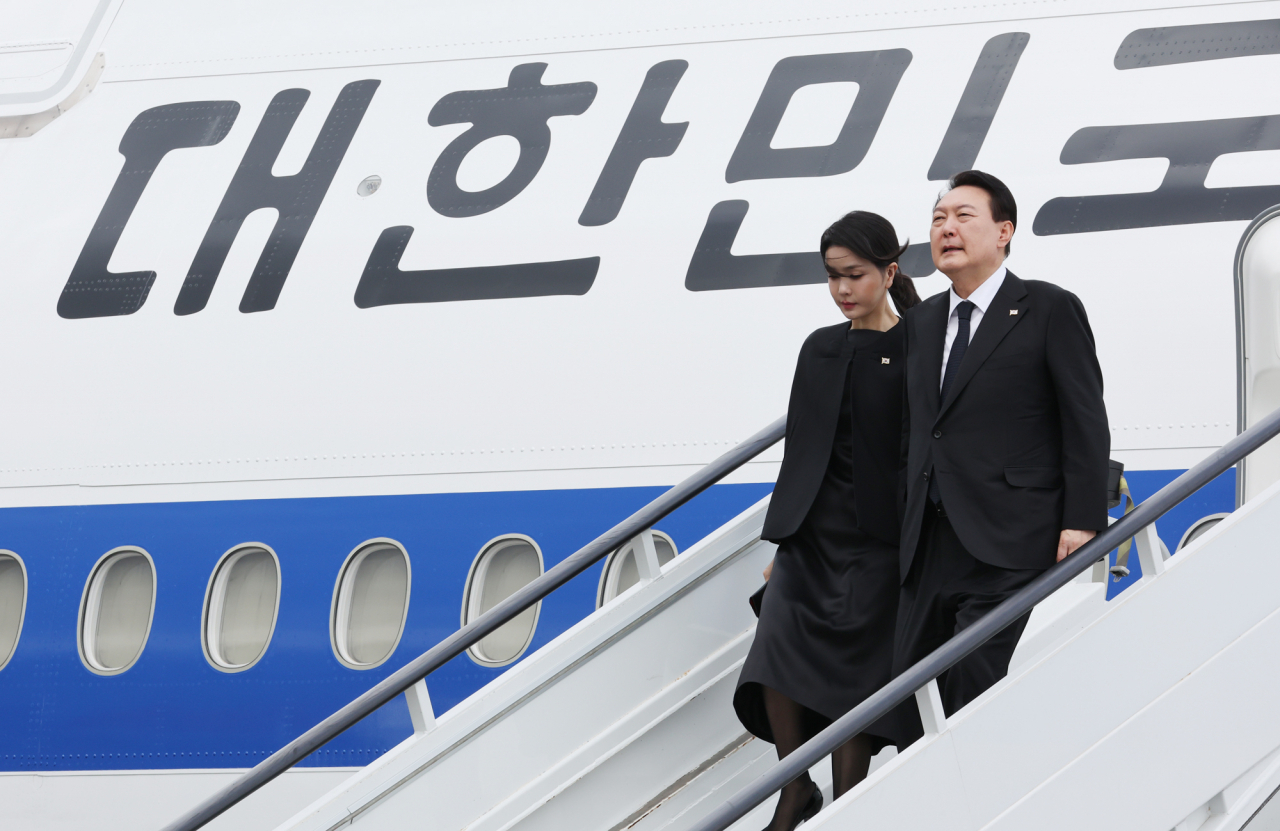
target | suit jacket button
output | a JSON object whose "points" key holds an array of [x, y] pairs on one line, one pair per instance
{"points": [[937, 434], [926, 474]]}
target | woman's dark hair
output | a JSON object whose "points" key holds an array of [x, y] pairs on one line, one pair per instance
{"points": [[871, 237], [1003, 207]]}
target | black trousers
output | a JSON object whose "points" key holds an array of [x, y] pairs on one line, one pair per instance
{"points": [[945, 592]]}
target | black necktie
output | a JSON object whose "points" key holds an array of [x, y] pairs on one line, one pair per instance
{"points": [[963, 311]]}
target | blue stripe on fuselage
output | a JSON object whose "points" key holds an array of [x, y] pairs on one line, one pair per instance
{"points": [[172, 710]]}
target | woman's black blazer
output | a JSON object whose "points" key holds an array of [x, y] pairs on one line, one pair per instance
{"points": [[812, 420]]}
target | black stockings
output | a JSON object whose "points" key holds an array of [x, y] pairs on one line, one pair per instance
{"points": [[849, 764], [788, 723], [793, 725]]}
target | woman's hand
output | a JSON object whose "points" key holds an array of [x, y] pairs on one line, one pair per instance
{"points": [[768, 570]]}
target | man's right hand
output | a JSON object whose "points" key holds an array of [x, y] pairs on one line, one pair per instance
{"points": [[1069, 541], [768, 570]]}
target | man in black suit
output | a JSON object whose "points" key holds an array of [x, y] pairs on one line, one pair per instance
{"points": [[1005, 438]]}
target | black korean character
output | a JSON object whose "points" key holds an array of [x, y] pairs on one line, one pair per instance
{"points": [[297, 198], [1190, 146], [644, 135], [92, 290], [520, 109], [714, 267]]}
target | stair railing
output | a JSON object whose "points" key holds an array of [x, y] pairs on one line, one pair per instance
{"points": [[466, 637], [920, 679]]}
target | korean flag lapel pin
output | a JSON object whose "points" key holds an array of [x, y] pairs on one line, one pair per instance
{"points": [[884, 360], [1012, 312]]}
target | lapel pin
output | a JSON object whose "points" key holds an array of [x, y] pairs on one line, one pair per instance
{"points": [[884, 360], [1013, 311]]}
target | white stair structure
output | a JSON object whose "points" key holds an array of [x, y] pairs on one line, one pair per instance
{"points": [[1152, 711], [625, 721]]}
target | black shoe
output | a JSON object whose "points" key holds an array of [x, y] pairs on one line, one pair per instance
{"points": [[812, 807]]}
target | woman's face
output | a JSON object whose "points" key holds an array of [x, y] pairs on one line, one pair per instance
{"points": [[857, 286]]}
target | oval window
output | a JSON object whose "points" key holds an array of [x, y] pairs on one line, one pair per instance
{"points": [[621, 571], [116, 610], [502, 567], [370, 602], [13, 603], [240, 607], [1199, 528]]}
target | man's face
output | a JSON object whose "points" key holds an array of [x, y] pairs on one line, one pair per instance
{"points": [[964, 236]]}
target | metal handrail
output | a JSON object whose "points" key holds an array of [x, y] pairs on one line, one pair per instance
{"points": [[1242, 373], [454, 645], [950, 653]]}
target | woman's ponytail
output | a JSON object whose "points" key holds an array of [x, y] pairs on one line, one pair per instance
{"points": [[903, 292]]}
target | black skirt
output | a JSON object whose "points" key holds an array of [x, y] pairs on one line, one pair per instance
{"points": [[825, 636]]}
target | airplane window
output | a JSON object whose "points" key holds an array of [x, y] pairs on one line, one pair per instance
{"points": [[13, 603], [502, 567], [240, 607], [370, 603], [116, 610], [621, 572], [1198, 529]]}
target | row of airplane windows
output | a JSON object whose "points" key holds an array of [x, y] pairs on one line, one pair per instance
{"points": [[366, 620]]}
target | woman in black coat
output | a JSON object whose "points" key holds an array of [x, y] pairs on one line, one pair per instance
{"points": [[825, 638]]}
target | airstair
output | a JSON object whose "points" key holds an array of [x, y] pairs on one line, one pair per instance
{"points": [[625, 721], [1151, 711]]}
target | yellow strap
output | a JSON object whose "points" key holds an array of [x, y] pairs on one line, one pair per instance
{"points": [[1121, 568]]}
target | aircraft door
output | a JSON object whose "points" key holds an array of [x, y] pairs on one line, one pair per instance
{"points": [[1257, 278], [52, 58]]}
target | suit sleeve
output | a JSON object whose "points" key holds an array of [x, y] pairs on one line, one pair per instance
{"points": [[1086, 435], [905, 445]]}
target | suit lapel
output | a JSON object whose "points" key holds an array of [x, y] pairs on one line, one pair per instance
{"points": [[930, 334], [1007, 309]]}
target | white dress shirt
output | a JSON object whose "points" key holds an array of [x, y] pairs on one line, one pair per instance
{"points": [[981, 298]]}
